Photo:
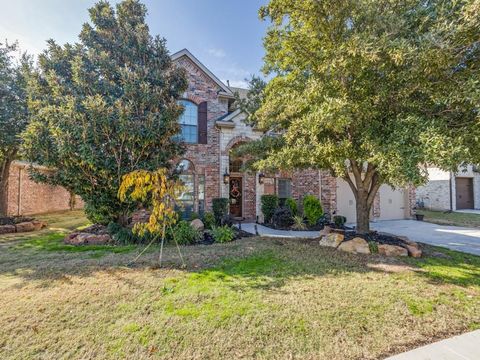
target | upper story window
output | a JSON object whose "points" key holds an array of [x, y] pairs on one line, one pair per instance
{"points": [[189, 122]]}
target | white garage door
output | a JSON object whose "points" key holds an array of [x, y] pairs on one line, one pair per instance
{"points": [[392, 203], [346, 201]]}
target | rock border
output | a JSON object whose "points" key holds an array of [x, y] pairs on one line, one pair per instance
{"points": [[26, 226], [331, 238]]}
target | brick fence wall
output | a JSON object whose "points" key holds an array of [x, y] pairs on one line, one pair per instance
{"points": [[26, 197]]}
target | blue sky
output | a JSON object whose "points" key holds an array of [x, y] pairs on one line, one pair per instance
{"points": [[226, 35]]}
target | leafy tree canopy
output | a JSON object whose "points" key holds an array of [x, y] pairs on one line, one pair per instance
{"points": [[371, 90], [13, 110], [104, 107]]}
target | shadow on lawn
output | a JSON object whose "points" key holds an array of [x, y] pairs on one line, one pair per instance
{"points": [[247, 263]]}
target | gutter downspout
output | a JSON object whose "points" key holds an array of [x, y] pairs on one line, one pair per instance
{"points": [[451, 197]]}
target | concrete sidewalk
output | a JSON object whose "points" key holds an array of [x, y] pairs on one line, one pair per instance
{"points": [[268, 232], [453, 237], [462, 347]]}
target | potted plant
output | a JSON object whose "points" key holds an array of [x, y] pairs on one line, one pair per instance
{"points": [[418, 217]]}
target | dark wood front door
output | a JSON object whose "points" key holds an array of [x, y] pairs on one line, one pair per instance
{"points": [[236, 197], [464, 191]]}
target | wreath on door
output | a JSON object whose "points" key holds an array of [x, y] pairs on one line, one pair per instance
{"points": [[235, 192]]}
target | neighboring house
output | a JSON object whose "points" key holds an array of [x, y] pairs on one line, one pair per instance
{"points": [[212, 127], [450, 191]]}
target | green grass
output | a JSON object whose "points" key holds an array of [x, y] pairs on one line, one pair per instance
{"points": [[451, 218], [253, 298], [54, 242]]}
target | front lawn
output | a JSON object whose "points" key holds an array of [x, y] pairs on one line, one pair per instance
{"points": [[249, 298], [451, 218]]}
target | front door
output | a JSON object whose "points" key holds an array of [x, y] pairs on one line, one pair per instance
{"points": [[464, 190], [236, 197]]}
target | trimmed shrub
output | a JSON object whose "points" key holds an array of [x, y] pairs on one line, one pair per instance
{"points": [[208, 220], [312, 209], [339, 220], [282, 218], [222, 234], [269, 205], [185, 234], [292, 205], [220, 209]]}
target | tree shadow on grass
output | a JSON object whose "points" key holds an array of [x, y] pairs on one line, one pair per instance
{"points": [[254, 263]]}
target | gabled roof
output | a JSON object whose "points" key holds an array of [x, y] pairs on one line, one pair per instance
{"points": [[225, 89]]}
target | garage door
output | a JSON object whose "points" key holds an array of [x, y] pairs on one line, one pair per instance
{"points": [[464, 191], [346, 201], [392, 203]]}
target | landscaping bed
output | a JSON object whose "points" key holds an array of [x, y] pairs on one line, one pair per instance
{"points": [[272, 298], [371, 243], [20, 224]]}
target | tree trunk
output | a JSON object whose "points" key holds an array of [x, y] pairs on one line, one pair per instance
{"points": [[4, 174], [364, 185], [363, 213]]}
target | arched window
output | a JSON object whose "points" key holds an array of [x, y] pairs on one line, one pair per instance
{"points": [[193, 194], [189, 122]]}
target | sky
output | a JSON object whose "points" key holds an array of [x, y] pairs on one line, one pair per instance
{"points": [[225, 35]]}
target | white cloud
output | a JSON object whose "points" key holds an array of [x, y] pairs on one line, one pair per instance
{"points": [[218, 53]]}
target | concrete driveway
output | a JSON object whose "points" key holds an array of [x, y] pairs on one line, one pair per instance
{"points": [[452, 237]]}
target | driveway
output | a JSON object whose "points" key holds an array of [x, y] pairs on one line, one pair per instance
{"points": [[452, 237]]}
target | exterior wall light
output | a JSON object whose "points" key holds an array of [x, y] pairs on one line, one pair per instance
{"points": [[261, 178], [226, 177]]}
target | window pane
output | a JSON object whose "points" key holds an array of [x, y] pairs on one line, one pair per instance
{"points": [[188, 193], [189, 122], [284, 188], [201, 194]]}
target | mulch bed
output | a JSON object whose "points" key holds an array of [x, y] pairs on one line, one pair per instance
{"points": [[373, 236], [308, 228], [208, 238]]}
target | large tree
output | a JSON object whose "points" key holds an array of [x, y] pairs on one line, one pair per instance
{"points": [[104, 107], [370, 90], [13, 111]]}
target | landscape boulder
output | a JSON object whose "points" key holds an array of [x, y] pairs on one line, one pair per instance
{"points": [[7, 229], [88, 239], [413, 249], [27, 226], [392, 250], [332, 240], [39, 225], [356, 245], [197, 224]]}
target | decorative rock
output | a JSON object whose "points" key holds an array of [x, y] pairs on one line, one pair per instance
{"points": [[392, 250], [332, 240], [197, 224], [25, 227], [325, 231], [39, 225], [413, 251], [7, 229], [87, 239], [356, 246]]}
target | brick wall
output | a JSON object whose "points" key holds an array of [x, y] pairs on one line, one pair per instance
{"points": [[25, 197], [205, 157]]}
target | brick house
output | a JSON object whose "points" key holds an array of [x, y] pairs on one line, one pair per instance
{"points": [[211, 127]]}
